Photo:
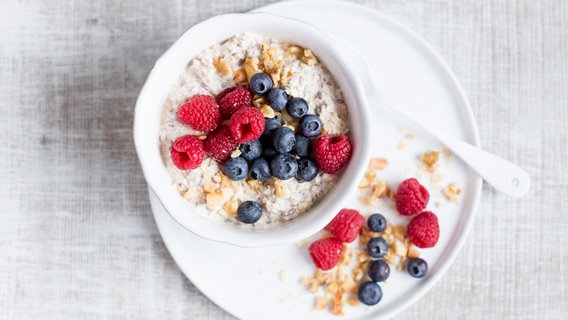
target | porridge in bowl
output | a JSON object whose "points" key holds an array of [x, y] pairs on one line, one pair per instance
{"points": [[255, 131]]}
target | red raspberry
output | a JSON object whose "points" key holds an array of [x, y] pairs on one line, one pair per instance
{"points": [[187, 152], [411, 197], [346, 225], [326, 253], [247, 124], [423, 230], [201, 113], [332, 153], [233, 99], [219, 144]]}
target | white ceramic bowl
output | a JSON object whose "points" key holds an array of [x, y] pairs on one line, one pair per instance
{"points": [[167, 70]]}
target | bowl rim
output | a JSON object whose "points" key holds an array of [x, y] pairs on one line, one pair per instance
{"points": [[206, 227]]}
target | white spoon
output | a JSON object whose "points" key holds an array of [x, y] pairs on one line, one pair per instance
{"points": [[503, 175]]}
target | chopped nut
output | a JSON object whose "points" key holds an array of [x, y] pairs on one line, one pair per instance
{"points": [[291, 126], [309, 58], [370, 175], [190, 193], [353, 301], [321, 303], [254, 184], [400, 249], [215, 199], [302, 244], [430, 159], [282, 276], [222, 66], [217, 177], [202, 137], [258, 101], [358, 274], [451, 192], [294, 51], [401, 264], [236, 153], [391, 194], [240, 76], [209, 187], [364, 184], [280, 189], [251, 67], [412, 253], [231, 207], [447, 153], [363, 257], [378, 163], [267, 111], [379, 190], [227, 192], [399, 231], [284, 78]]}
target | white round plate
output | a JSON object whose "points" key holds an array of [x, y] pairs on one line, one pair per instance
{"points": [[263, 283]]}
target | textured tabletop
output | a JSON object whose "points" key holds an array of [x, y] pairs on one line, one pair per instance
{"points": [[77, 237]]}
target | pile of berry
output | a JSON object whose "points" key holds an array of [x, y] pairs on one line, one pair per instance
{"points": [[267, 146], [422, 230]]}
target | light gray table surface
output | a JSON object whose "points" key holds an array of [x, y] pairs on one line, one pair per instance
{"points": [[77, 237]]}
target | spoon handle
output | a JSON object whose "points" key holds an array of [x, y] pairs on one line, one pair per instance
{"points": [[503, 175]]}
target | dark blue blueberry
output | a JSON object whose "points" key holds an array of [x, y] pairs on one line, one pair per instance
{"points": [[236, 168], [370, 293], [269, 152], [297, 107], [379, 270], [417, 267], [260, 83], [283, 139], [303, 146], [310, 126], [249, 212], [260, 170], [377, 222], [277, 98], [251, 150], [307, 170], [283, 166], [271, 124], [377, 247]]}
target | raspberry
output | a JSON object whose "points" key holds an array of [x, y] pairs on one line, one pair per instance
{"points": [[326, 253], [187, 152], [346, 225], [201, 113], [423, 230], [247, 124], [219, 144], [411, 197], [332, 153], [233, 99]]}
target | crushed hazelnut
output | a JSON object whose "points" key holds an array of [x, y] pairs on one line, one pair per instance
{"points": [[222, 66], [240, 76], [321, 303], [209, 187], [214, 199], [190, 193], [378, 163], [451, 192], [412, 253], [280, 188], [267, 111], [231, 207], [430, 159], [251, 67]]}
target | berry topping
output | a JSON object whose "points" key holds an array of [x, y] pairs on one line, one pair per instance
{"points": [[251, 150], [283, 166], [379, 271], [236, 168], [200, 112], [233, 99], [277, 98], [332, 153], [346, 225], [303, 146], [270, 125], [283, 139], [310, 126], [219, 144], [246, 124], [377, 247], [423, 230], [411, 197], [307, 170], [297, 107], [326, 253], [417, 267], [187, 152], [260, 170], [377, 222], [268, 152], [260, 83], [370, 293], [249, 212]]}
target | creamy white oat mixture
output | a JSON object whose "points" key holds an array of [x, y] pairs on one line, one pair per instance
{"points": [[205, 187]]}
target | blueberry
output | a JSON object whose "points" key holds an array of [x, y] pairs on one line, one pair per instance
{"points": [[260, 83], [370, 293], [283, 139], [377, 247], [377, 222], [310, 125], [303, 146], [260, 170], [379, 271], [236, 168], [270, 125], [277, 98], [283, 166], [269, 152], [417, 267], [249, 212], [297, 107], [251, 150], [307, 170]]}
